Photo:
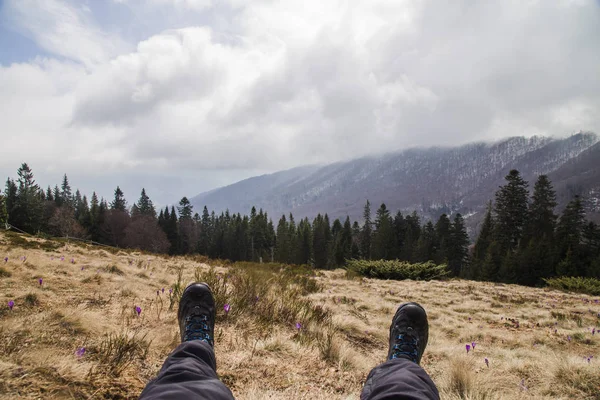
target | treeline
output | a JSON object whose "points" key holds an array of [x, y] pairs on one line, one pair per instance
{"points": [[522, 240]]}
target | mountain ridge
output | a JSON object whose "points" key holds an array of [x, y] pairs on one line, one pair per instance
{"points": [[429, 180]]}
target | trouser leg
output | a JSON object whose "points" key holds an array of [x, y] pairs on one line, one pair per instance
{"points": [[188, 373], [399, 379]]}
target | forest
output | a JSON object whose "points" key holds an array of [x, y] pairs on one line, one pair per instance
{"points": [[521, 239]]}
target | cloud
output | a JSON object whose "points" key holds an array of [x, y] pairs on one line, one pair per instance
{"points": [[63, 29], [269, 85]]}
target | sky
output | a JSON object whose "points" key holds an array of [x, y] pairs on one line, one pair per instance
{"points": [[182, 96]]}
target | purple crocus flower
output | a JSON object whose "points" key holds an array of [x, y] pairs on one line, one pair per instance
{"points": [[24, 258], [171, 291], [226, 308], [298, 326], [138, 310], [5, 259], [80, 352], [158, 292], [82, 268], [473, 345], [468, 347], [62, 258], [72, 261], [487, 362], [11, 304], [593, 331], [163, 290], [469, 319], [569, 338], [41, 281]]}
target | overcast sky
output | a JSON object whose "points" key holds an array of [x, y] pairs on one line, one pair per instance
{"points": [[181, 96]]}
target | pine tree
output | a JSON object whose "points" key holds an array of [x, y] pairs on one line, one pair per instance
{"points": [[321, 237], [3, 213], [399, 233], [411, 238], [27, 211], [282, 244], [511, 211], [49, 195], [145, 206], [442, 234], [185, 209], [425, 249], [569, 235], [304, 242], [482, 244], [66, 196], [10, 198], [355, 240], [384, 240], [119, 203], [458, 249], [491, 263], [367, 233]]}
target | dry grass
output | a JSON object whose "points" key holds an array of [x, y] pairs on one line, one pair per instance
{"points": [[537, 341]]}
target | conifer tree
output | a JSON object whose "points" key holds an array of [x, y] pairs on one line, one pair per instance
{"points": [[511, 211], [491, 263], [304, 242], [569, 234], [119, 203], [145, 206], [384, 240], [458, 249], [282, 244], [355, 240], [482, 244], [3, 213], [399, 233], [425, 249], [321, 235], [10, 198], [442, 234], [27, 211], [367, 232], [66, 196], [411, 238]]}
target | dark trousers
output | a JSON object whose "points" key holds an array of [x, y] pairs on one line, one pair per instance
{"points": [[189, 373]]}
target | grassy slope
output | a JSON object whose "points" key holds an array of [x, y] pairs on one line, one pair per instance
{"points": [[76, 307]]}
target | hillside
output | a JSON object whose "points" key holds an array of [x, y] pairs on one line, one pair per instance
{"points": [[429, 180], [538, 342]]}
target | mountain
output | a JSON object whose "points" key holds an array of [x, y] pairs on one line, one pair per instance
{"points": [[429, 180]]}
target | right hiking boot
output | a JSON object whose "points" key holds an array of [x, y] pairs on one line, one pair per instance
{"points": [[408, 333], [196, 314]]}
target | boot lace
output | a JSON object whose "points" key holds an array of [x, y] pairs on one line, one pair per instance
{"points": [[406, 346], [196, 328]]}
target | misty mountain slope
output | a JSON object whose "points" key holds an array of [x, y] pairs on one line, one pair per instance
{"points": [[429, 180]]}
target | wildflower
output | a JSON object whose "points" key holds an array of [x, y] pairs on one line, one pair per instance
{"points": [[163, 290], [593, 331], [226, 308], [469, 319], [298, 326], [62, 258], [468, 347], [41, 281], [487, 362], [72, 261], [82, 268], [11, 304], [80, 352], [473, 345], [158, 292], [130, 262], [523, 387], [24, 258], [569, 338], [138, 310], [171, 291], [5, 259]]}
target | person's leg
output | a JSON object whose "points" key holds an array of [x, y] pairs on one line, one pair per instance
{"points": [[190, 371], [401, 376]]}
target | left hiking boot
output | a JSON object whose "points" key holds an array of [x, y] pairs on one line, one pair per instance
{"points": [[408, 333], [196, 314]]}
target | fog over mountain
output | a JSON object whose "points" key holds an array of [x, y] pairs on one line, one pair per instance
{"points": [[429, 180]]}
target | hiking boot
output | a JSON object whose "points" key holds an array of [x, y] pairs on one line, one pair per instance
{"points": [[196, 313], [408, 333]]}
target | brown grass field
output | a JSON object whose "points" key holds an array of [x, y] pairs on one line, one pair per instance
{"points": [[538, 341]]}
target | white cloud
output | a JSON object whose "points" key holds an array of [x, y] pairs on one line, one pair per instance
{"points": [[269, 85]]}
